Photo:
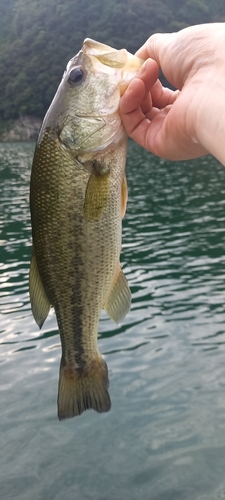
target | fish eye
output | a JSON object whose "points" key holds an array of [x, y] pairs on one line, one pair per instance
{"points": [[76, 76]]}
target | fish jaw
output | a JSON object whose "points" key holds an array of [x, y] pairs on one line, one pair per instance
{"points": [[120, 63]]}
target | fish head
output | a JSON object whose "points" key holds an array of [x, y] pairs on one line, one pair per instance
{"points": [[85, 110]]}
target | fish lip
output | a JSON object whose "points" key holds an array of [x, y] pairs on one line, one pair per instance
{"points": [[117, 62], [96, 46], [111, 59]]}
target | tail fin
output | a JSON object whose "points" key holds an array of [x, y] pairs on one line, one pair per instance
{"points": [[82, 389]]}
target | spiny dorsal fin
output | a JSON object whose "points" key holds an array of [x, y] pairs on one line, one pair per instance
{"points": [[119, 299], [40, 304]]}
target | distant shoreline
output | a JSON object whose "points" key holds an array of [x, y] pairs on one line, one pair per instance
{"points": [[25, 128]]}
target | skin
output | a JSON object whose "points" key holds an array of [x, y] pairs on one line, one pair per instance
{"points": [[78, 198], [188, 122]]}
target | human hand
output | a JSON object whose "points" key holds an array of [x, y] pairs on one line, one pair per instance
{"points": [[190, 121]]}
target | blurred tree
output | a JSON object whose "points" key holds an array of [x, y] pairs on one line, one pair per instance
{"points": [[38, 37]]}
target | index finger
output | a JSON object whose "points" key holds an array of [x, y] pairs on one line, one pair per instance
{"points": [[139, 87]]}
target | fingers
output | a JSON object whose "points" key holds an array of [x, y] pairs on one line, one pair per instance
{"points": [[165, 49], [159, 130], [143, 97], [130, 106], [159, 136], [133, 96], [165, 135], [139, 87], [159, 119], [136, 103], [146, 89], [162, 96], [154, 116]]}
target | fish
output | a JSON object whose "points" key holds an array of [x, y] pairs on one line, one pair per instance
{"points": [[78, 197]]}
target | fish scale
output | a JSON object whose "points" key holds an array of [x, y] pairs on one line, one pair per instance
{"points": [[78, 199]]}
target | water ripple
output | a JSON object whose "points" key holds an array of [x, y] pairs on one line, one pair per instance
{"points": [[164, 438]]}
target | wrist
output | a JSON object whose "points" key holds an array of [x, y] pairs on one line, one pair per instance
{"points": [[210, 114]]}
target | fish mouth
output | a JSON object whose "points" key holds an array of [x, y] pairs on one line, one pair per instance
{"points": [[108, 56], [112, 61]]}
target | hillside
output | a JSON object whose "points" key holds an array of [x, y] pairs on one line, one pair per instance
{"points": [[38, 37]]}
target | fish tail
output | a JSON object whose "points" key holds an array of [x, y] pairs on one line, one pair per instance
{"points": [[83, 389]]}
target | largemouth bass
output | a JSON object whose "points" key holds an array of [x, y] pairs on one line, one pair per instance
{"points": [[78, 196]]}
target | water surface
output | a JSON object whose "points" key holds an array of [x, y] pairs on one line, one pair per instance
{"points": [[164, 438]]}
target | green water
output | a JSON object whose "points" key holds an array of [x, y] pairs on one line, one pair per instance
{"points": [[164, 438]]}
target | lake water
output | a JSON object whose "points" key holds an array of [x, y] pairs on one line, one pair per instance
{"points": [[164, 438]]}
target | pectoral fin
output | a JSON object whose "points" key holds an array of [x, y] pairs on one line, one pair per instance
{"points": [[40, 304], [124, 197], [119, 299], [96, 196]]}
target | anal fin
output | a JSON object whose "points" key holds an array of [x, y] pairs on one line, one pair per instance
{"points": [[40, 304], [119, 298]]}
